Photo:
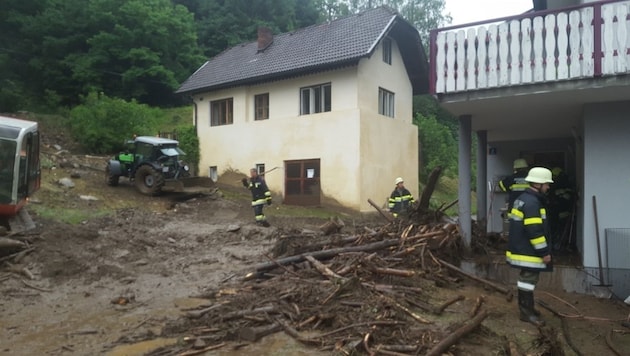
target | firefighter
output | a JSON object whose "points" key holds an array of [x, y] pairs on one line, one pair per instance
{"points": [[401, 199], [561, 201], [260, 195], [515, 183], [528, 244]]}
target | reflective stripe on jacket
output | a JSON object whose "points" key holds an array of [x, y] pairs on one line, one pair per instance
{"points": [[399, 201], [260, 192], [515, 185], [527, 242]]}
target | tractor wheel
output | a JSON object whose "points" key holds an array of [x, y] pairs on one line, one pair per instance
{"points": [[148, 180], [112, 179]]}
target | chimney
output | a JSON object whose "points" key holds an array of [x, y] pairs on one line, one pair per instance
{"points": [[265, 38]]}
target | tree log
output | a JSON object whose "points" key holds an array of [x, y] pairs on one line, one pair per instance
{"points": [[383, 213], [394, 272], [439, 310], [451, 339], [253, 334], [427, 192], [322, 268], [6, 242], [326, 254], [475, 278]]}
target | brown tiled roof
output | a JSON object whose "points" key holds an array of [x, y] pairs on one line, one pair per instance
{"points": [[315, 48]]}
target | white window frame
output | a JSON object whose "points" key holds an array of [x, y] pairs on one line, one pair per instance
{"points": [[386, 102], [316, 99]]}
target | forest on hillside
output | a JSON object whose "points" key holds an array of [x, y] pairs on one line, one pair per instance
{"points": [[58, 55]]}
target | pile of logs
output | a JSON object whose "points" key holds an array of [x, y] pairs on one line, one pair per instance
{"points": [[371, 293]]}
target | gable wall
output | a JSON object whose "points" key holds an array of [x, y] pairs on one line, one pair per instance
{"points": [[389, 146]]}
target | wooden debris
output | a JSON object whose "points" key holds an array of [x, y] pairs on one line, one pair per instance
{"points": [[383, 213], [451, 339], [492, 285], [253, 334]]}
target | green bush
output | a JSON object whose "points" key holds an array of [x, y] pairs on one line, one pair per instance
{"points": [[438, 146], [189, 142], [102, 124]]}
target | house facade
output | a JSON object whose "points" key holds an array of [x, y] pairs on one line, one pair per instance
{"points": [[550, 86], [325, 111]]}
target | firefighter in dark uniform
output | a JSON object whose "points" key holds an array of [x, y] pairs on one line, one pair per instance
{"points": [[260, 195], [515, 184], [561, 203], [529, 248], [401, 199]]}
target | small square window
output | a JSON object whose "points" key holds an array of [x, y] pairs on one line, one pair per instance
{"points": [[213, 173], [386, 102]]}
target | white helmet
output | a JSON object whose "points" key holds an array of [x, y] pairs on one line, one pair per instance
{"points": [[398, 180], [519, 163], [539, 175]]}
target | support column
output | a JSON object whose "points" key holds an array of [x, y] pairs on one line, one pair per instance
{"points": [[482, 176], [464, 173]]}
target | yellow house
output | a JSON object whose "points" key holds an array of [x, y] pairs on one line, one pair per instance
{"points": [[326, 110]]}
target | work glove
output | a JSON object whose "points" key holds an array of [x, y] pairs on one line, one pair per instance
{"points": [[244, 181], [269, 202]]}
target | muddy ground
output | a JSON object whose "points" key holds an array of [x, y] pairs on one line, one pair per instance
{"points": [[121, 280]]}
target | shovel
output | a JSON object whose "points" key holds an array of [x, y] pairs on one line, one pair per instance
{"points": [[600, 290]]}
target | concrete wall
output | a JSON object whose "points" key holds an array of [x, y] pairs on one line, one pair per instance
{"points": [[607, 167], [361, 152]]}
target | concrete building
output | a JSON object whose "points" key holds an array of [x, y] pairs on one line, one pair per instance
{"points": [[327, 107], [550, 86]]}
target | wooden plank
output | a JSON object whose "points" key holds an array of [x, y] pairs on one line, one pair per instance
{"points": [[440, 62], [471, 59], [450, 62], [516, 59], [550, 48], [460, 78], [563, 46], [482, 64], [575, 65], [537, 49], [504, 50], [608, 60], [622, 37], [493, 54], [526, 44], [588, 64]]}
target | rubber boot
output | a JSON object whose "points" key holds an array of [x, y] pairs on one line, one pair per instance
{"points": [[526, 307]]}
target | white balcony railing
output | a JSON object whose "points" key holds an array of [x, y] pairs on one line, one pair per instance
{"points": [[532, 48]]}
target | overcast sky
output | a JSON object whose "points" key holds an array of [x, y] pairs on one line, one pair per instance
{"points": [[466, 11]]}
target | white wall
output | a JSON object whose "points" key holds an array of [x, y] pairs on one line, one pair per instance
{"points": [[607, 173], [361, 152]]}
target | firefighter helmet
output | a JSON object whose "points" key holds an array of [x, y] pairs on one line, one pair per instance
{"points": [[520, 163], [539, 175], [398, 180]]}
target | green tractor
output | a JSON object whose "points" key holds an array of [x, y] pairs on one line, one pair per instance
{"points": [[154, 165]]}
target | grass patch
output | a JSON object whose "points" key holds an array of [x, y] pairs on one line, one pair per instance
{"points": [[67, 215]]}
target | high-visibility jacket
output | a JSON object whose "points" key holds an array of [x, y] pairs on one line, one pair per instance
{"points": [[527, 241], [399, 201], [260, 192], [515, 185]]}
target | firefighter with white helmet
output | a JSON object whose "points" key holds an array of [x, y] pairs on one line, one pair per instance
{"points": [[529, 247], [401, 199]]}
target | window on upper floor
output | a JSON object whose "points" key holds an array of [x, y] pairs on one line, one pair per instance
{"points": [[261, 106], [260, 168], [387, 50], [385, 102], [315, 99], [221, 112]]}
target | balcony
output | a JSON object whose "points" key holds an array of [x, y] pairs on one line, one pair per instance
{"points": [[589, 41]]}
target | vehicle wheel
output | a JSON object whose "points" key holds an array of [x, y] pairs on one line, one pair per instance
{"points": [[112, 179], [149, 181]]}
